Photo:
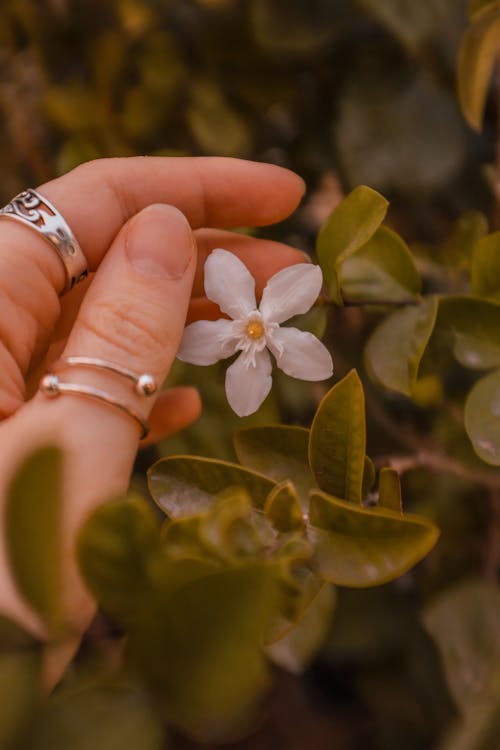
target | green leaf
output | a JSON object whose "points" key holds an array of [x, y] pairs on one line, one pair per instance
{"points": [[315, 321], [406, 139], [482, 418], [465, 623], [382, 270], [234, 529], [478, 52], [115, 717], [283, 508], [472, 327], [466, 231], [33, 532], [485, 268], [348, 227], [369, 474], [298, 647], [287, 29], [212, 670], [118, 550], [217, 127], [21, 689], [389, 490], [338, 438], [395, 349], [299, 587], [479, 728], [278, 452], [413, 24], [359, 547], [187, 485]]}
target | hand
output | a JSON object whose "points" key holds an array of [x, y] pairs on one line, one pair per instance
{"points": [[145, 226]]}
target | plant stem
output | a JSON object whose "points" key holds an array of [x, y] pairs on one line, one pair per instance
{"points": [[440, 462]]}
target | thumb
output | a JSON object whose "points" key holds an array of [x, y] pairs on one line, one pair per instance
{"points": [[134, 311]]}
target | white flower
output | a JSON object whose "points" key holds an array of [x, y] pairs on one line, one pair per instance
{"points": [[254, 330]]}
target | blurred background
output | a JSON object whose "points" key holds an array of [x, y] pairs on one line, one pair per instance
{"points": [[344, 92]]}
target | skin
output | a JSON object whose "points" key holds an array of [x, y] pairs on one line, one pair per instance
{"points": [[131, 216]]}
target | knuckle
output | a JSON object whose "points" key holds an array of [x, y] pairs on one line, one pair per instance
{"points": [[125, 328]]}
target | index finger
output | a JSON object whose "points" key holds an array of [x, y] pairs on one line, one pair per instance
{"points": [[97, 198]]}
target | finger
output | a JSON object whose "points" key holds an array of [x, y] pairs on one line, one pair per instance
{"points": [[262, 257], [134, 311], [98, 197], [174, 410]]}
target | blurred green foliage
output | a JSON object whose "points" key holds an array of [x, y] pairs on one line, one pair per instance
{"points": [[344, 92]]}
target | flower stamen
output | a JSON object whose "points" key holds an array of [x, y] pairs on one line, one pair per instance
{"points": [[255, 330]]}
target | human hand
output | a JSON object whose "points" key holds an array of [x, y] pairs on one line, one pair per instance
{"points": [[145, 225]]}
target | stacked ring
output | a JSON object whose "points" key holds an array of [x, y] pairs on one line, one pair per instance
{"points": [[144, 385]]}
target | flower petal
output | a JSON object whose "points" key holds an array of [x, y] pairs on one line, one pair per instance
{"points": [[207, 341], [300, 354], [290, 292], [229, 284], [247, 385]]}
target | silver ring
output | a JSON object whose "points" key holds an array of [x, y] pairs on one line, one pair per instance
{"points": [[51, 386], [35, 211], [145, 384]]}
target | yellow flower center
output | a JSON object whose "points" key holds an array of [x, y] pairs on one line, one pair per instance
{"points": [[255, 330]]}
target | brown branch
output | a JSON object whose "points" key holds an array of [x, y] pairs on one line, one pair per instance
{"points": [[441, 463]]}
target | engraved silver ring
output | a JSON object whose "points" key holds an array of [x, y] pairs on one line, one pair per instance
{"points": [[33, 210]]}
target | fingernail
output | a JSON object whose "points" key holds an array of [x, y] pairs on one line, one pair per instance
{"points": [[159, 242]]}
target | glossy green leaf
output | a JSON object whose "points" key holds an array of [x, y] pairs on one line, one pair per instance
{"points": [[278, 452], [348, 227], [361, 547], [389, 490], [118, 551], [300, 645], [465, 623], [472, 329], [395, 349], [283, 508], [21, 690], [115, 717], [382, 270], [187, 485], [482, 418], [478, 52], [33, 532], [212, 670], [485, 268], [338, 439]]}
